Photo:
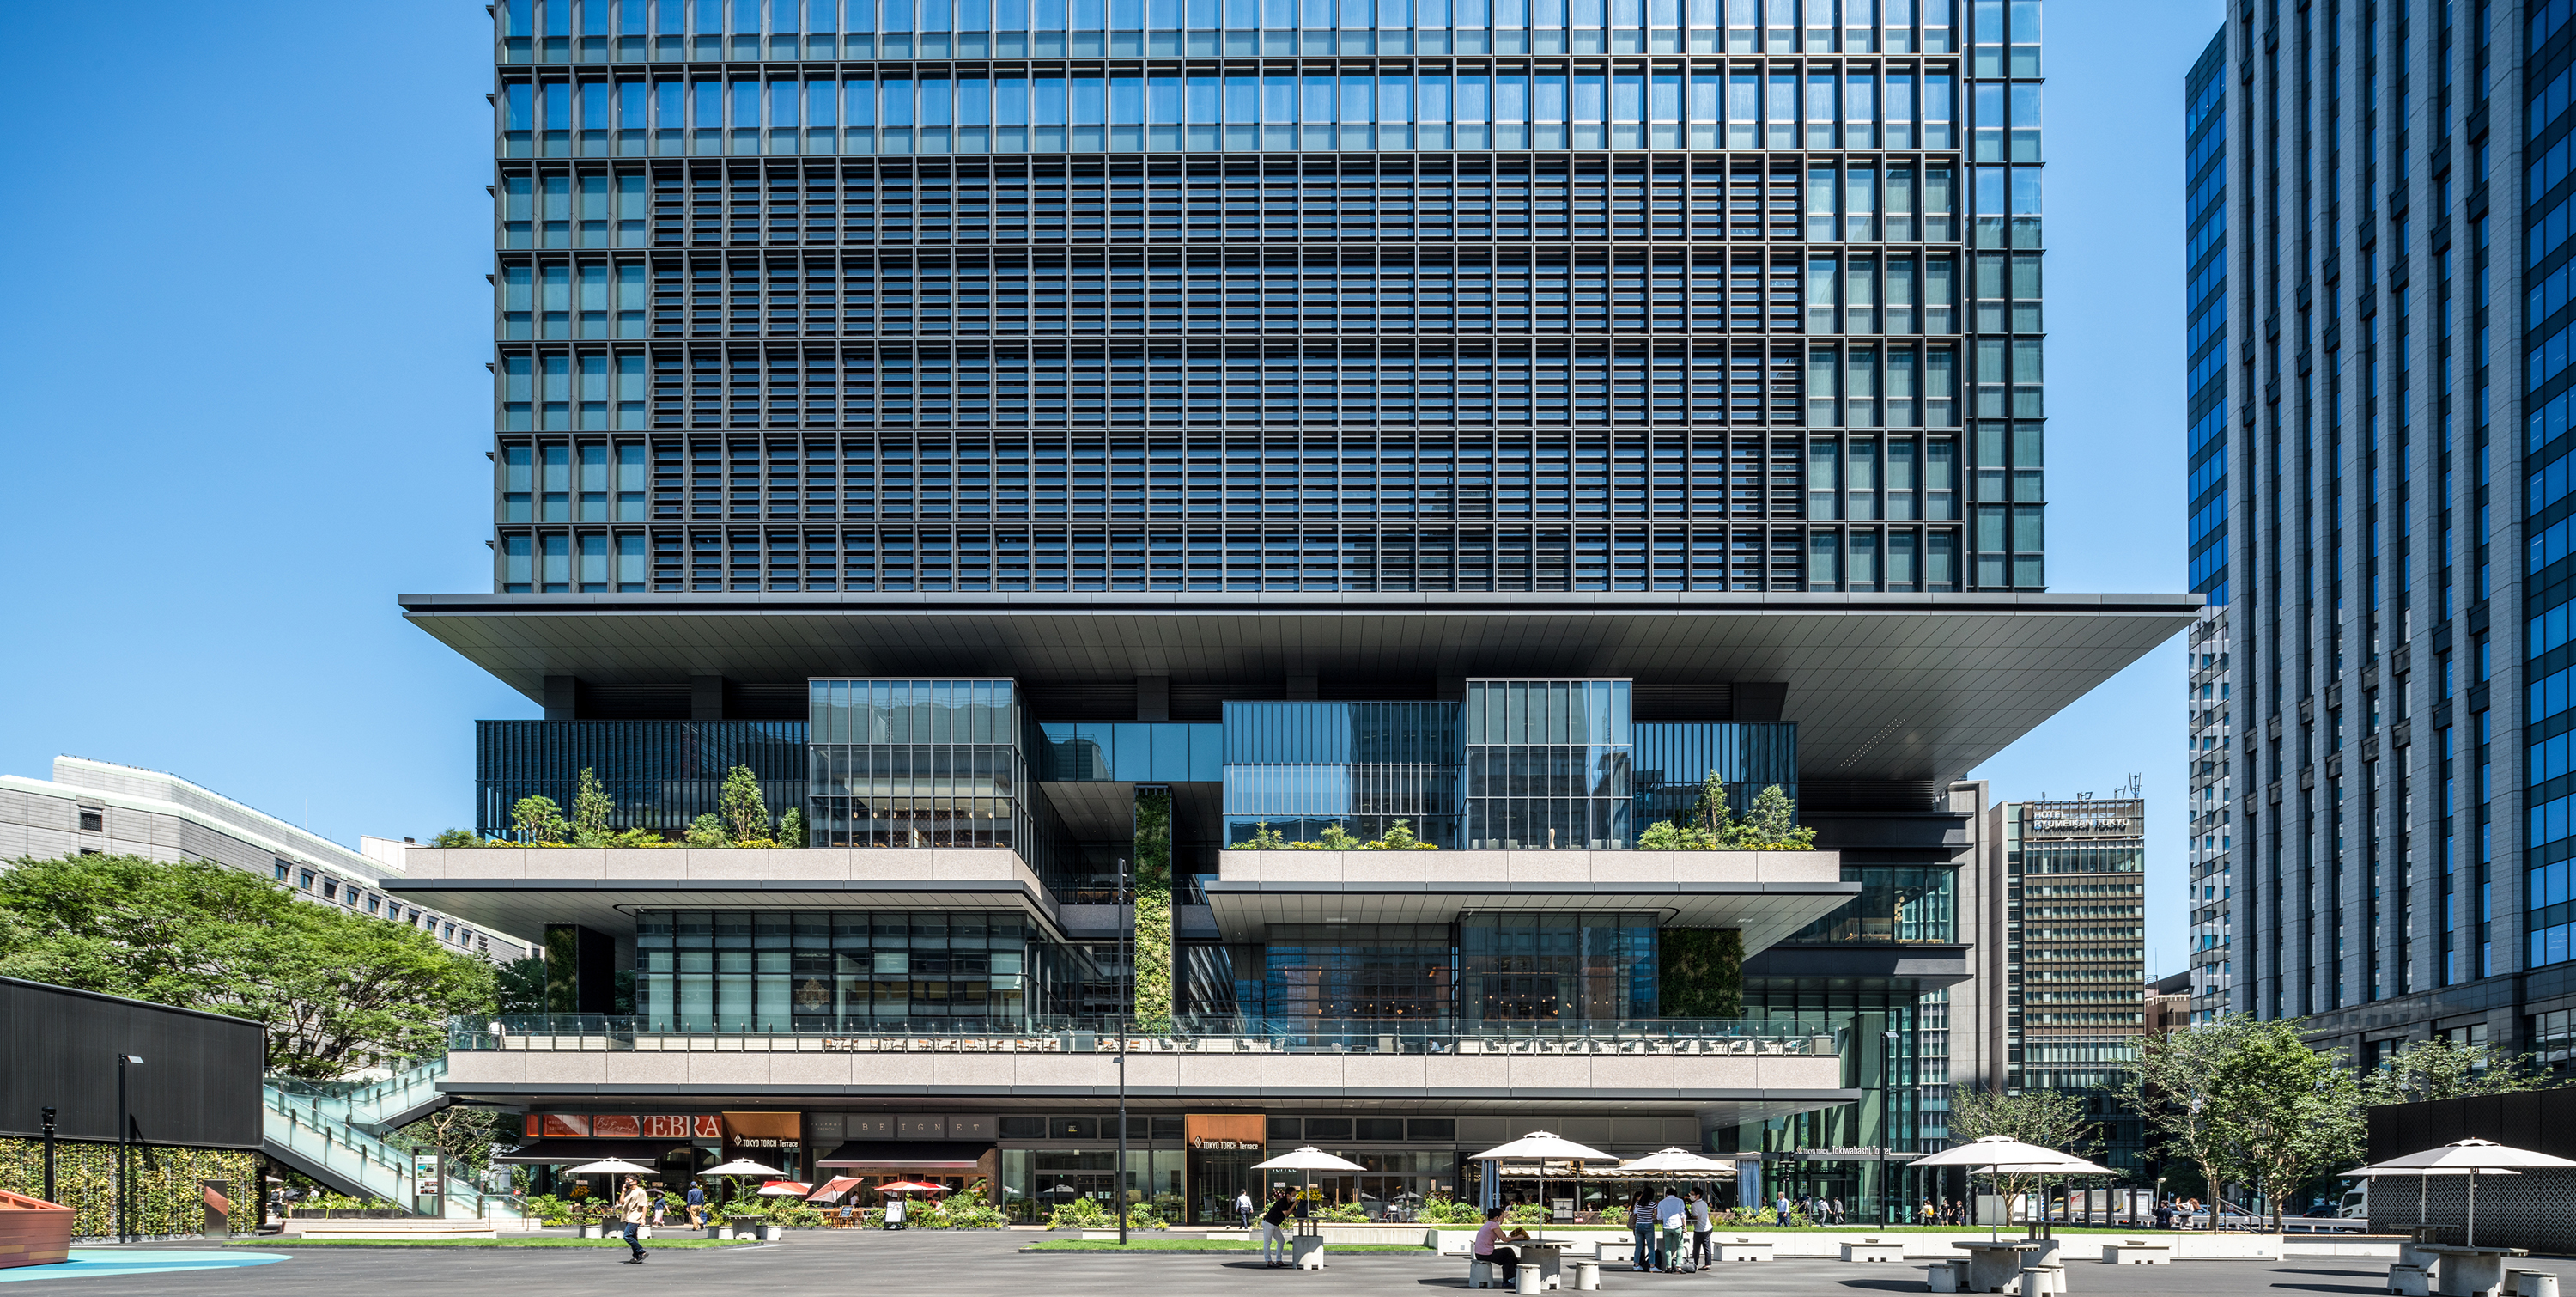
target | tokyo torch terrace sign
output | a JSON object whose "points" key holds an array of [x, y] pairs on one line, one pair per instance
{"points": [[1224, 1131]]}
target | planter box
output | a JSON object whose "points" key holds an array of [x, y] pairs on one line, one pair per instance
{"points": [[33, 1231]]}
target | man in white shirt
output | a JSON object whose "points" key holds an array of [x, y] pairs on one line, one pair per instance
{"points": [[1243, 1207], [1670, 1214]]}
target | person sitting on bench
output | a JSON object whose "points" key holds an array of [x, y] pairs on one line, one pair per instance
{"points": [[1487, 1247]]}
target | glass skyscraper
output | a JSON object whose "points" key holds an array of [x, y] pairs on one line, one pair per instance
{"points": [[1405, 295], [2209, 672], [2395, 184], [1133, 452]]}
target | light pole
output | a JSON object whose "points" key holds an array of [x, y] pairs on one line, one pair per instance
{"points": [[49, 1155], [1126, 1012], [1886, 1110], [124, 1152]]}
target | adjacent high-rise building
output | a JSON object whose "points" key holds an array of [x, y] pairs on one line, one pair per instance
{"points": [[2380, 262], [1033, 438], [2067, 952], [2210, 847]]}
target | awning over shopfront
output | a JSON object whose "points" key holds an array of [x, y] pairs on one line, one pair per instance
{"points": [[909, 1154], [568, 1152]]}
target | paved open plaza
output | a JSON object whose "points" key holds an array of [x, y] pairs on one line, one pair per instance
{"points": [[959, 1265]]}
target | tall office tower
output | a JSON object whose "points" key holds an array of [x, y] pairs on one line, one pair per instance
{"points": [[2393, 252], [1029, 438], [2069, 932], [2209, 678]]}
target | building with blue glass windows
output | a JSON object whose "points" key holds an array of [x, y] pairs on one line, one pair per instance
{"points": [[1056, 445], [2379, 278]]}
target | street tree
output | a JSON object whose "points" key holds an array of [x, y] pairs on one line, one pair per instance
{"points": [[2282, 1111], [2174, 1086], [333, 991]]}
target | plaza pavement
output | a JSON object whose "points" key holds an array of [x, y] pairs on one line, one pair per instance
{"points": [[939, 1264]]}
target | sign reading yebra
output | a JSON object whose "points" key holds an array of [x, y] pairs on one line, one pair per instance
{"points": [[1220, 1132], [618, 1125]]}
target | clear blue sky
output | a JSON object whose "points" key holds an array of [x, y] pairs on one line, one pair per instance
{"points": [[261, 253]]}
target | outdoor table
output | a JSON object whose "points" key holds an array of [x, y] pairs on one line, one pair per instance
{"points": [[2466, 1270], [1993, 1267], [1549, 1258]]}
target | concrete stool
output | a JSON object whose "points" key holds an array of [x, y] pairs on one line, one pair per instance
{"points": [[1947, 1276], [2043, 1281], [1307, 1250], [1480, 1273], [2532, 1283], [2409, 1281], [1587, 1278], [1528, 1281]]}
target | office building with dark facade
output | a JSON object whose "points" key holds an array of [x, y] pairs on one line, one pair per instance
{"points": [[2389, 279], [1034, 437]]}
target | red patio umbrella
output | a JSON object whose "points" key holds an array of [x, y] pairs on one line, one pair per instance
{"points": [[911, 1186], [832, 1190]]}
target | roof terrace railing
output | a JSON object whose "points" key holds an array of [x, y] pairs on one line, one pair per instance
{"points": [[1775, 1037]]}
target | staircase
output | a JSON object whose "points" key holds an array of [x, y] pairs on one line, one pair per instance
{"points": [[335, 1134]]}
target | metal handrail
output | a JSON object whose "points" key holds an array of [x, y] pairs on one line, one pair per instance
{"points": [[598, 1032]]}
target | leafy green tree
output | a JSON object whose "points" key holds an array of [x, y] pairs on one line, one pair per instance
{"points": [[791, 828], [591, 808], [457, 838], [706, 831], [1335, 838], [466, 1135], [746, 812], [538, 819], [2444, 1069], [1772, 824], [2282, 1111], [332, 990], [2174, 1089], [2049, 1118]]}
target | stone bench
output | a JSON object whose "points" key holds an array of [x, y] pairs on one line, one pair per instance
{"points": [[2409, 1281], [2137, 1251], [1870, 1249], [2531, 1283], [1742, 1249]]}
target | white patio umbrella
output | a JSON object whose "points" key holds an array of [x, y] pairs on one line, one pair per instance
{"points": [[608, 1166], [1541, 1147], [2004, 1155], [2423, 1180], [1306, 1161], [742, 1166], [2472, 1156], [1680, 1162]]}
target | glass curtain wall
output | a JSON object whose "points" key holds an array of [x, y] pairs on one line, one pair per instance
{"points": [[1300, 768], [1896, 903], [1557, 967], [1318, 972], [845, 970], [918, 763], [1549, 765], [1674, 761], [658, 774]]}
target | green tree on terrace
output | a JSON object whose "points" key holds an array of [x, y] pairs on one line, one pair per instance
{"points": [[591, 809], [745, 810], [333, 990]]}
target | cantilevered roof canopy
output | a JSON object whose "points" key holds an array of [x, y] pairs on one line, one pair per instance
{"points": [[1883, 686]]}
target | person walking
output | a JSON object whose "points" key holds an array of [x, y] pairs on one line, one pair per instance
{"points": [[1672, 1215], [631, 1206], [697, 1205], [1488, 1247], [1274, 1231], [661, 1205], [1781, 1209], [1699, 1231], [1243, 1208]]}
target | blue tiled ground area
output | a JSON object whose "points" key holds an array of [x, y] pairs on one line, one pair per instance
{"points": [[89, 1262]]}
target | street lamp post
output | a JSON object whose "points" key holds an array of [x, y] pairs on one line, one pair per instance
{"points": [[1126, 1013], [1886, 1109], [124, 1153]]}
